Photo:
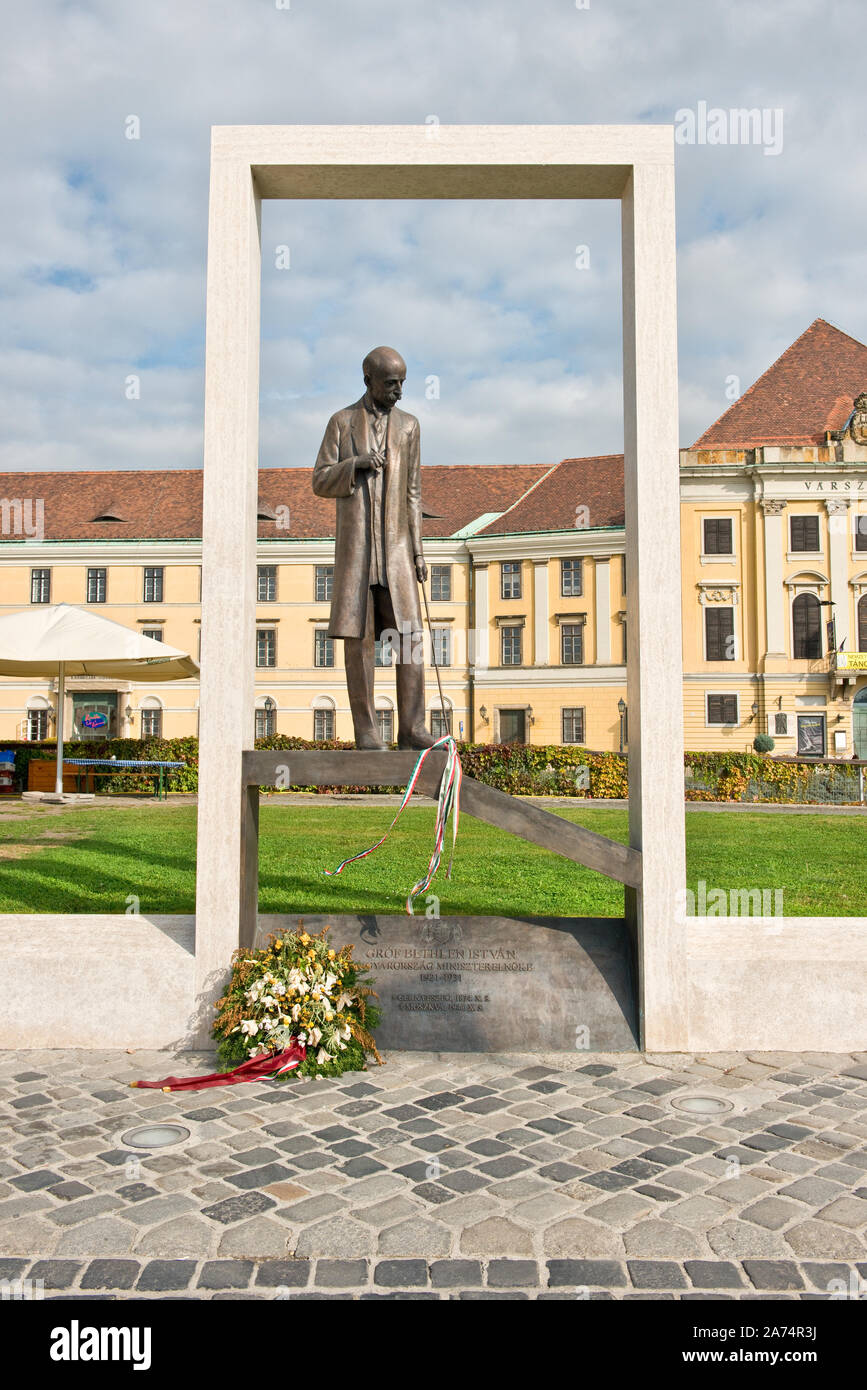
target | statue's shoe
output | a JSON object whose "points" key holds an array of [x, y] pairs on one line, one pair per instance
{"points": [[371, 745], [417, 738]]}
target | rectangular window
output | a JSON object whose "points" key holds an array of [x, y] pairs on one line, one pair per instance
{"points": [[442, 646], [266, 583], [96, 585], [323, 724], [324, 581], [572, 644], [441, 583], [266, 646], [573, 725], [385, 721], [153, 585], [510, 579], [718, 535], [151, 723], [265, 722], [722, 709], [37, 725], [510, 646], [440, 723], [40, 586], [384, 655], [323, 650], [155, 633], [860, 524], [571, 579], [719, 630], [804, 533], [806, 628]]}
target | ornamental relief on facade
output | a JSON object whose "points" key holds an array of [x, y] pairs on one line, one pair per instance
{"points": [[858, 427], [718, 593]]}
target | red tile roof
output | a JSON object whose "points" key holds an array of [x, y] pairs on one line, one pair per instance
{"points": [[167, 504], [808, 390], [552, 503]]}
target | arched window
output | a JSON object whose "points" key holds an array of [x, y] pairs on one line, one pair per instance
{"points": [[151, 717], [806, 628], [323, 718], [859, 721], [441, 719], [265, 716], [385, 718], [862, 623], [38, 715]]}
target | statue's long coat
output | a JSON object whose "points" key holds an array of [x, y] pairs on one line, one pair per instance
{"points": [[346, 436]]}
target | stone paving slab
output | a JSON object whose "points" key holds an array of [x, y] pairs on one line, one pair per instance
{"points": [[440, 1176]]}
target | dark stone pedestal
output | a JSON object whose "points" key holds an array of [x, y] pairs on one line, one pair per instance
{"points": [[491, 984]]}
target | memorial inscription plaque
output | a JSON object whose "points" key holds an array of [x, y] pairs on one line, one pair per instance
{"points": [[491, 984]]}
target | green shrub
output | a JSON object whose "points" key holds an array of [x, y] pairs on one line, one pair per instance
{"points": [[520, 769]]}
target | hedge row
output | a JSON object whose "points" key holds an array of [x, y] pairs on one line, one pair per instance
{"points": [[520, 769]]}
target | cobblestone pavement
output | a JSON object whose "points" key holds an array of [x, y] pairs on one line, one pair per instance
{"points": [[440, 1176]]}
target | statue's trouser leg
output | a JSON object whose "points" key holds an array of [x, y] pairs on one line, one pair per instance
{"points": [[410, 698], [409, 676], [358, 655], [409, 673]]}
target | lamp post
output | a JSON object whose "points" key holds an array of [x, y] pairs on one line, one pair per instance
{"points": [[621, 710], [268, 705]]}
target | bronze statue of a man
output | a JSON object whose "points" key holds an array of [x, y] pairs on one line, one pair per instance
{"points": [[369, 461]]}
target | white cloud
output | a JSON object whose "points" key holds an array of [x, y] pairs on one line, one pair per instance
{"points": [[102, 245]]}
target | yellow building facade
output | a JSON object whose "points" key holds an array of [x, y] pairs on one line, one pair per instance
{"points": [[527, 590]]}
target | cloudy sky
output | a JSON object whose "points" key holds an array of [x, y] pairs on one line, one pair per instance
{"points": [[103, 238]]}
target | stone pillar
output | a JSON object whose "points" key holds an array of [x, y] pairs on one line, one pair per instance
{"points": [[838, 547], [541, 630], [226, 853], [480, 617], [654, 680], [603, 613], [775, 599]]}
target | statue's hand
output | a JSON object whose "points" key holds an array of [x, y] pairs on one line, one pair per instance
{"points": [[420, 570], [373, 461]]}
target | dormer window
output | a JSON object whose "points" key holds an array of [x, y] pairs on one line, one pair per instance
{"points": [[108, 514]]}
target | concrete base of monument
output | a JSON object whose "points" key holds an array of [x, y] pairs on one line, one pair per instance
{"points": [[108, 981], [491, 984]]}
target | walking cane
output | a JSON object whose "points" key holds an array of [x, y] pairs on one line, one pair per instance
{"points": [[433, 655]]}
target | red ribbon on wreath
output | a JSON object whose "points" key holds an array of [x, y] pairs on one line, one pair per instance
{"points": [[273, 1064]]}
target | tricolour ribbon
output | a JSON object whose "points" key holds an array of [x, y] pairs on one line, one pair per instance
{"points": [[254, 1069], [448, 804]]}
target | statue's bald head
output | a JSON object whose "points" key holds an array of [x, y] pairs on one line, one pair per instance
{"points": [[384, 374]]}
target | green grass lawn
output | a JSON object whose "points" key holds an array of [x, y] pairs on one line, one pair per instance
{"points": [[94, 860]]}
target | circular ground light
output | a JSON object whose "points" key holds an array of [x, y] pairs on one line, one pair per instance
{"points": [[154, 1136], [702, 1105]]}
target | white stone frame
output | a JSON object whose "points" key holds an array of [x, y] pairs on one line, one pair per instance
{"points": [[634, 164]]}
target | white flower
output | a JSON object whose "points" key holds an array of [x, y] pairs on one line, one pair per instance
{"points": [[249, 1025], [343, 1000], [315, 1035], [322, 1056]]}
